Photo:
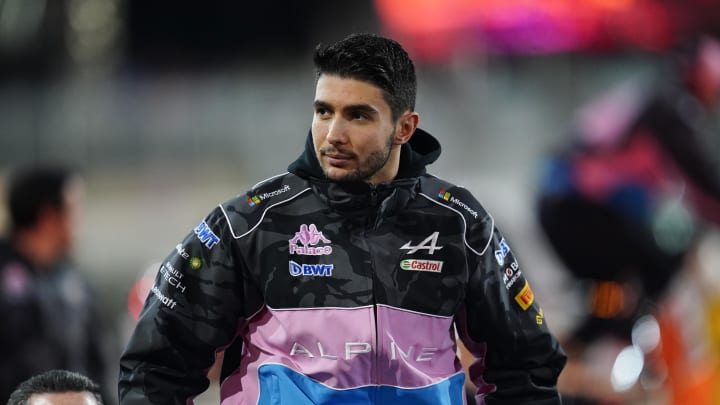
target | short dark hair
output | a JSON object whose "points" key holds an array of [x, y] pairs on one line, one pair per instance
{"points": [[33, 189], [54, 382], [371, 58]]}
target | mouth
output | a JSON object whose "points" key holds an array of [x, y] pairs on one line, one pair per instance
{"points": [[337, 159]]}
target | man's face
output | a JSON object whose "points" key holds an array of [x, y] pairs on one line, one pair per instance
{"points": [[63, 398], [353, 130]]}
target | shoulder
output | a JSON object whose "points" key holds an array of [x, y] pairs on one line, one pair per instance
{"points": [[246, 210], [479, 224]]}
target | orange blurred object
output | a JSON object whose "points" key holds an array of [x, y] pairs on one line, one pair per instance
{"points": [[689, 382]]}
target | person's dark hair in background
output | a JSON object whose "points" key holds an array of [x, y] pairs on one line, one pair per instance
{"points": [[50, 319], [39, 195], [57, 383], [34, 190]]}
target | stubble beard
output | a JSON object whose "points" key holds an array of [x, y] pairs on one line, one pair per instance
{"points": [[373, 164]]}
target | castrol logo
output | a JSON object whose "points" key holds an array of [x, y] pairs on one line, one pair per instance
{"points": [[433, 266]]}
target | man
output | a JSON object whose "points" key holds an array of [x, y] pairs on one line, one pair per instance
{"points": [[57, 387], [49, 319], [346, 280]]}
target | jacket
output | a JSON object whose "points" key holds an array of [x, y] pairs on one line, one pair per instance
{"points": [[331, 293], [50, 320]]}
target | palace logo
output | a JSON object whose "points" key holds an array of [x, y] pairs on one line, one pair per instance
{"points": [[306, 240]]}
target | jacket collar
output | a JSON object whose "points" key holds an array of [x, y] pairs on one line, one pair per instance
{"points": [[420, 151]]}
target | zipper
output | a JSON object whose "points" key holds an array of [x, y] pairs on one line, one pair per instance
{"points": [[370, 224]]}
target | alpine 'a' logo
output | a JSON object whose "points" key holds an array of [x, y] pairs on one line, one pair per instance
{"points": [[429, 244]]}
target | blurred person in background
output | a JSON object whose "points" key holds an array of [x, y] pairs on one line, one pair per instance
{"points": [[625, 203], [49, 316], [57, 387], [348, 279]]}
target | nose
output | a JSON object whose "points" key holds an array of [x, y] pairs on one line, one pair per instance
{"points": [[336, 132]]}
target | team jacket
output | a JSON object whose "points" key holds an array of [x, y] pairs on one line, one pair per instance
{"points": [[331, 293]]}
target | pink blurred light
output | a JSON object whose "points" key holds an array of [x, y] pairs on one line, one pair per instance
{"points": [[434, 30]]}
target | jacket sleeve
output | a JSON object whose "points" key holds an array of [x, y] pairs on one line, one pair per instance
{"points": [[192, 311], [518, 360]]}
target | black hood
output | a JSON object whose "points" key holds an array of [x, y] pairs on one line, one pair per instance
{"points": [[422, 150]]}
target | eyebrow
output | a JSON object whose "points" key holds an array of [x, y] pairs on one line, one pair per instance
{"points": [[367, 108]]}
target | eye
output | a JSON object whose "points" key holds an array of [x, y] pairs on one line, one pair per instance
{"points": [[359, 115], [322, 112]]}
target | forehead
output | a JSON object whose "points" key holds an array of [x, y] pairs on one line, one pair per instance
{"points": [[338, 91], [63, 398]]}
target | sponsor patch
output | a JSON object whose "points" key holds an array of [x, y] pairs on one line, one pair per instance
{"points": [[181, 251], [502, 252], [206, 235], [253, 201], [173, 276], [165, 300], [322, 270], [512, 274], [195, 263], [306, 241], [433, 266], [257, 199], [429, 244], [444, 195], [525, 297]]}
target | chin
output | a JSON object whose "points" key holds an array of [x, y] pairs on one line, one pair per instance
{"points": [[340, 175]]}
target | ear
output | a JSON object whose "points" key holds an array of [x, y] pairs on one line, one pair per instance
{"points": [[405, 127]]}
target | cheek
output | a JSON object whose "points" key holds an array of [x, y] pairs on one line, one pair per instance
{"points": [[319, 128], [318, 134]]}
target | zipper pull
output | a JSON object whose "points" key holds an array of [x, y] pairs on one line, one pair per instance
{"points": [[373, 197]]}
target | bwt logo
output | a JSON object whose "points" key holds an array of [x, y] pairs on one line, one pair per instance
{"points": [[307, 237], [502, 252], [322, 270], [206, 235]]}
